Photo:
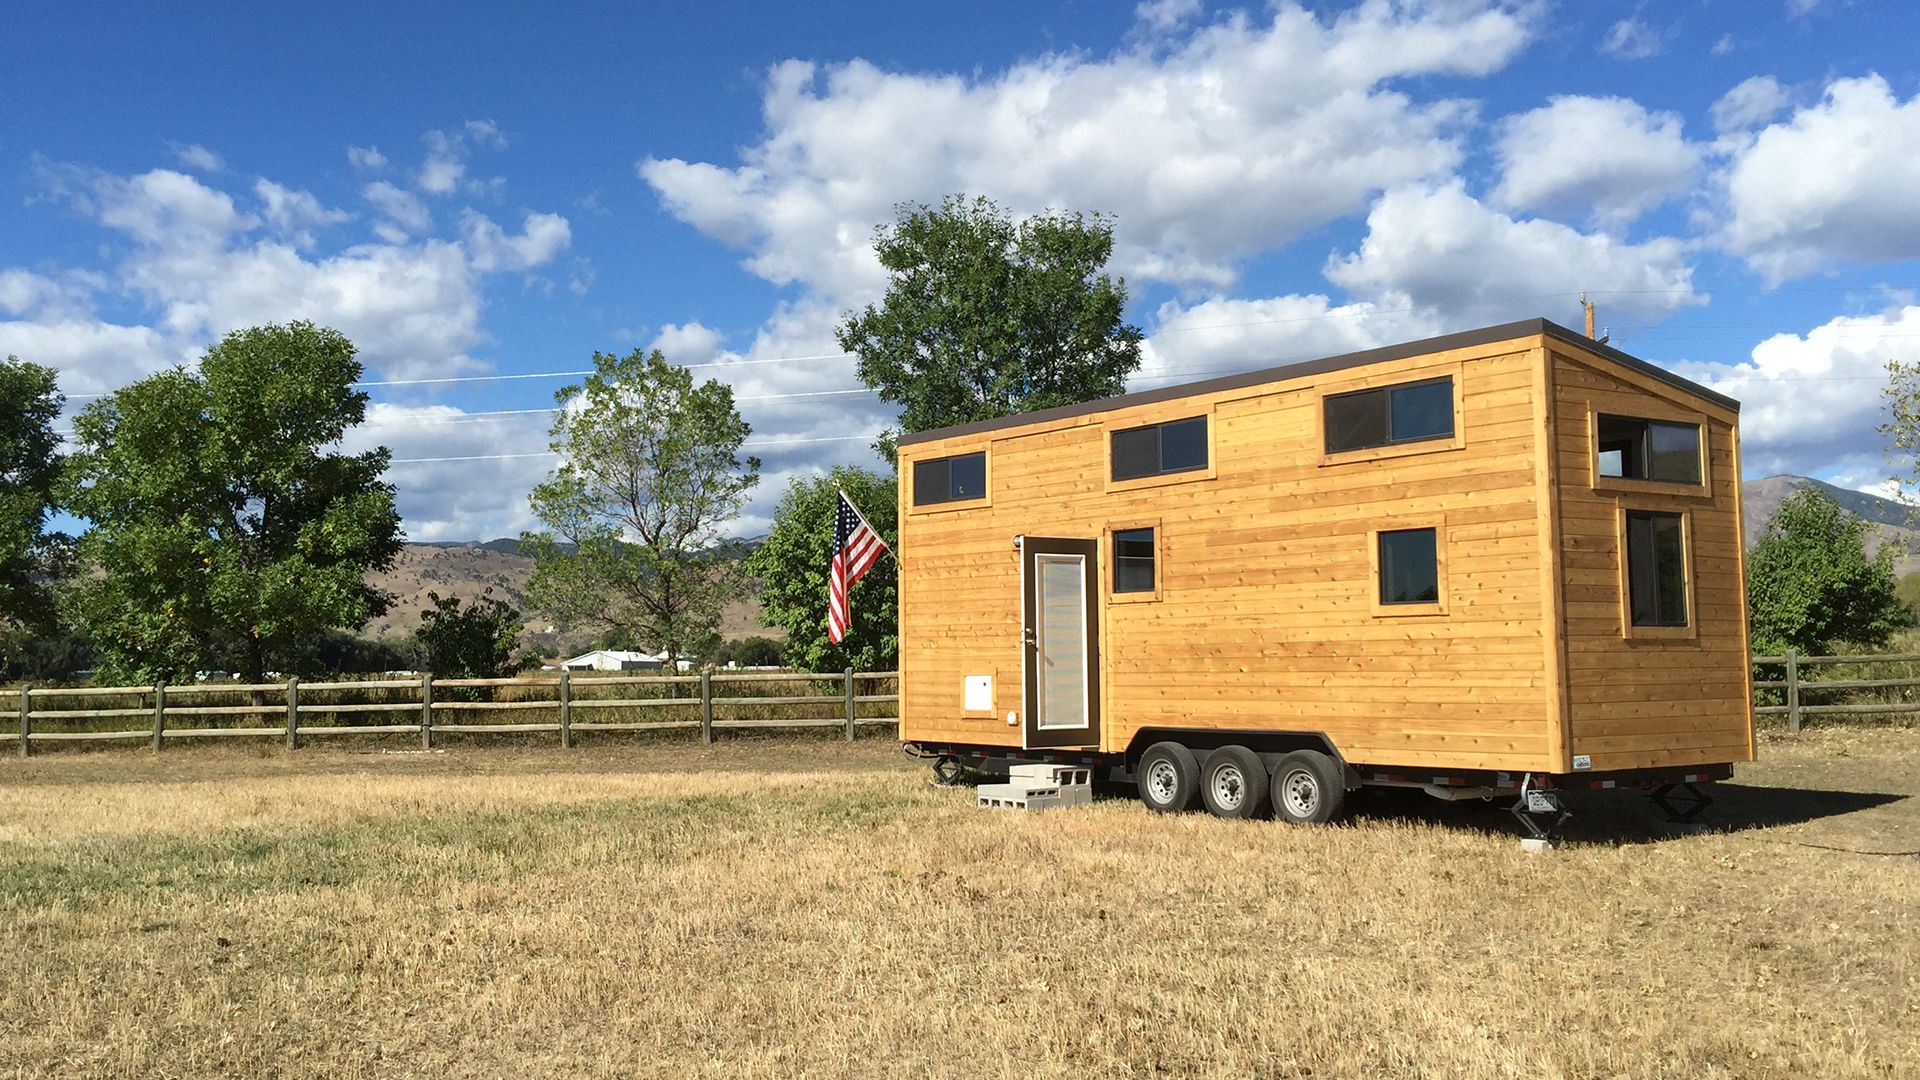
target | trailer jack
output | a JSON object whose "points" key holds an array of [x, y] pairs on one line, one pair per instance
{"points": [[1683, 810], [948, 770], [1542, 814]]}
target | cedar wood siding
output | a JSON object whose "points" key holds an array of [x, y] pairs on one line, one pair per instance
{"points": [[1264, 616], [1680, 699]]}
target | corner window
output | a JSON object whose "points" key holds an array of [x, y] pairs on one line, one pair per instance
{"points": [[1133, 568], [1656, 569], [1409, 567], [1412, 412], [950, 479], [1176, 446], [1629, 448]]}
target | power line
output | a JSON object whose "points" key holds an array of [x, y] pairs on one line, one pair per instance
{"points": [[554, 453]]}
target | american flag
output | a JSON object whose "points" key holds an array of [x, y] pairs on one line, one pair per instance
{"points": [[855, 548]]}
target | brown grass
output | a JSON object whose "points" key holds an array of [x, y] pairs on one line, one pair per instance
{"points": [[778, 907]]}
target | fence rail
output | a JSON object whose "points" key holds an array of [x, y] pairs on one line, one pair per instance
{"points": [[1794, 685], [454, 707]]}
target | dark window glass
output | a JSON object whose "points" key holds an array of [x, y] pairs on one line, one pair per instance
{"points": [[949, 479], [1133, 560], [1410, 567], [1635, 449], [1178, 446], [1656, 569], [1392, 414]]}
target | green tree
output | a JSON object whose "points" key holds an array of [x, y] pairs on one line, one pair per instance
{"points": [[652, 470], [1810, 585], [792, 567], [30, 402], [480, 640], [221, 522], [751, 651], [985, 317]]}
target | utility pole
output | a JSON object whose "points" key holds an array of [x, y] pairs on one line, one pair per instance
{"points": [[1587, 306]]}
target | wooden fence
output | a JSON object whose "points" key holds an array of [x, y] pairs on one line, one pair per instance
{"points": [[1793, 685], [429, 707]]}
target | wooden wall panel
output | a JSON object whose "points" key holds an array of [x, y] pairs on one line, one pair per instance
{"points": [[1643, 702]]}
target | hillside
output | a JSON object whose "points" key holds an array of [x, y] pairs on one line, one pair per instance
{"points": [[1889, 519], [467, 570]]}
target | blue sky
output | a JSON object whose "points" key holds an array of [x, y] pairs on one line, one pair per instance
{"points": [[476, 190]]}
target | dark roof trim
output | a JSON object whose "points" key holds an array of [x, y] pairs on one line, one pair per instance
{"points": [[1464, 340]]}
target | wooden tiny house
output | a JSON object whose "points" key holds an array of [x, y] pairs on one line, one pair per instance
{"points": [[1513, 552]]}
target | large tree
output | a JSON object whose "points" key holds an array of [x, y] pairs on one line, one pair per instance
{"points": [[652, 470], [792, 568], [1811, 586], [480, 640], [224, 521], [30, 402], [985, 316]]}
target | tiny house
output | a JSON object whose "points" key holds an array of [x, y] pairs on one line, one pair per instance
{"points": [[1502, 560]]}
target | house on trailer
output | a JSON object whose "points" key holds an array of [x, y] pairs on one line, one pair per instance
{"points": [[1502, 560]]}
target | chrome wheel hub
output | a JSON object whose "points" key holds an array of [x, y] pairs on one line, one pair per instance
{"points": [[1229, 787], [1163, 781], [1301, 792]]}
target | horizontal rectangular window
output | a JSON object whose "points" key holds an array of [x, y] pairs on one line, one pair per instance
{"points": [[1411, 412], [950, 479], [1634, 449], [1656, 568], [1410, 566], [1172, 447], [1133, 561]]}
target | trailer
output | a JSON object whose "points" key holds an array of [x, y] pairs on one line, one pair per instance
{"points": [[1506, 562]]}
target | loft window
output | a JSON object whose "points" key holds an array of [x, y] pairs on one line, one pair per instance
{"points": [[1410, 566], [1172, 447], [1656, 569], [950, 479], [1412, 412], [1133, 561], [1634, 449]]}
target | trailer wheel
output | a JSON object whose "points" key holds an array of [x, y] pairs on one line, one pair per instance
{"points": [[1234, 784], [1169, 778], [1308, 788]]}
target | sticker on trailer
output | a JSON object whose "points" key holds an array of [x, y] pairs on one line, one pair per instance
{"points": [[1582, 761], [1542, 802]]}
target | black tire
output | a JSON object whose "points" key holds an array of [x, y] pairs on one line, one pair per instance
{"points": [[1234, 783], [1308, 788], [1169, 778]]}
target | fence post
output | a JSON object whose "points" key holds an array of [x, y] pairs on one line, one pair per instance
{"points": [[849, 704], [566, 712], [706, 705], [293, 714], [159, 713], [426, 711], [26, 718], [1793, 690]]}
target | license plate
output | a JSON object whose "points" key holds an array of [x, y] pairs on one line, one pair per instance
{"points": [[1542, 802]]}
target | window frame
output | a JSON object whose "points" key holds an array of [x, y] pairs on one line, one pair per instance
{"points": [[1628, 407], [947, 506], [1628, 629], [1388, 381], [1113, 561], [1440, 604], [1161, 415]]}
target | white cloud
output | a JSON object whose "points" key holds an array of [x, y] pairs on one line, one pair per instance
{"points": [[1607, 157], [1164, 15], [402, 207], [367, 157], [157, 207], [1223, 336], [295, 214], [1438, 249], [1632, 39], [1755, 101], [1724, 45], [490, 247], [479, 498], [1833, 183], [197, 157], [1811, 402], [446, 163], [1235, 139], [1801, 7], [92, 357]]}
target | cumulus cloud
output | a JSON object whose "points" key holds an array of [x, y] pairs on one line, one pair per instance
{"points": [[197, 157], [446, 163], [1235, 139], [1164, 15], [1833, 183], [1222, 336], [491, 248], [402, 207], [367, 157], [1632, 39], [458, 476], [294, 214], [1815, 397], [1606, 157], [1439, 249], [1755, 101]]}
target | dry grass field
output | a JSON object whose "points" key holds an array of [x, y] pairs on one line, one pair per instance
{"points": [[786, 907]]}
